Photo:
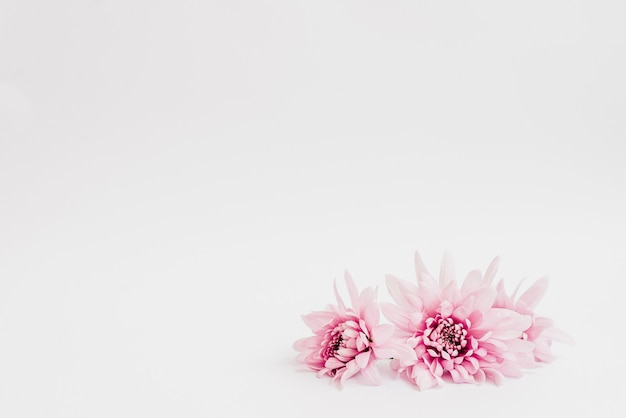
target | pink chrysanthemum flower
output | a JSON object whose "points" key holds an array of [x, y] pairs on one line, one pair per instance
{"points": [[452, 332], [347, 340], [542, 331]]}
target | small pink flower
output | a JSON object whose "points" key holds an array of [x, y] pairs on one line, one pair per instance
{"points": [[541, 331], [347, 341], [454, 332]]}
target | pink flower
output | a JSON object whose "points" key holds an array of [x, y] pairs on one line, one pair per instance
{"points": [[452, 332], [541, 331], [347, 341]]}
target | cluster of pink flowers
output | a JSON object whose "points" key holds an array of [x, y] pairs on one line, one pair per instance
{"points": [[439, 331]]}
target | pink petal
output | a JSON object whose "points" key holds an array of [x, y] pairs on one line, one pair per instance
{"points": [[471, 364], [350, 370], [542, 322], [520, 346], [317, 320], [415, 302], [484, 299], [371, 314], [460, 313], [557, 335], [451, 293], [382, 333], [471, 283], [543, 353], [306, 343], [396, 315], [447, 364], [347, 352], [420, 268], [362, 359], [422, 376], [385, 352], [446, 273], [494, 375], [481, 352], [436, 369], [430, 294], [491, 271], [479, 377], [353, 292], [350, 332], [432, 352], [533, 295], [504, 323], [446, 309], [463, 372], [333, 363], [495, 346], [340, 304], [510, 368], [415, 320], [397, 290], [371, 374], [502, 300], [403, 353]]}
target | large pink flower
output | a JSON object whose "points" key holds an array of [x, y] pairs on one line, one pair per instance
{"points": [[452, 332], [347, 340], [542, 331]]}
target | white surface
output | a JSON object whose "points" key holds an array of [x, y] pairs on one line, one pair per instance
{"points": [[179, 181]]}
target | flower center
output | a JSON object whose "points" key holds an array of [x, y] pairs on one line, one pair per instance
{"points": [[343, 342], [444, 337], [335, 344]]}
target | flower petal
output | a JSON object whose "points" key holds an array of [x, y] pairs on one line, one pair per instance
{"points": [[382, 333], [352, 292], [484, 299], [557, 335], [520, 346], [494, 375], [533, 295], [456, 376], [491, 271], [306, 343], [510, 368], [317, 320], [446, 272], [463, 372], [350, 370], [340, 304], [396, 315], [386, 351], [445, 308], [371, 375], [423, 377], [479, 377], [332, 363], [371, 314], [504, 323], [471, 283], [362, 359], [420, 268], [397, 290]]}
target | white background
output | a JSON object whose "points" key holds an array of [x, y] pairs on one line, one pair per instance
{"points": [[180, 181]]}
